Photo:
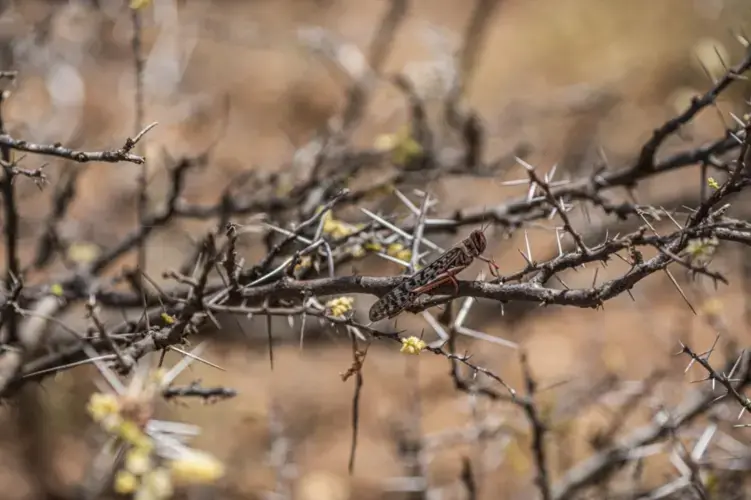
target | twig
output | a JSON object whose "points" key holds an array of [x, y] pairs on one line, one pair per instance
{"points": [[358, 358], [194, 390], [542, 481], [12, 266]]}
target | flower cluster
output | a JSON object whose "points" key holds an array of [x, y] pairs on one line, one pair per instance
{"points": [[701, 250], [336, 228], [340, 306], [399, 251], [402, 146], [412, 345], [154, 461]]}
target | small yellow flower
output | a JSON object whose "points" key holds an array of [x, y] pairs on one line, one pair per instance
{"points": [[197, 467], [102, 405], [405, 255], [406, 151], [358, 251], [158, 483], [713, 183], [402, 145], [167, 318], [131, 433], [399, 251], [412, 345], [83, 252], [702, 248], [328, 221], [337, 229], [138, 461], [341, 231], [386, 142], [340, 306], [57, 290], [284, 188], [373, 246], [394, 248], [111, 423], [305, 262], [125, 482], [139, 4], [711, 483]]}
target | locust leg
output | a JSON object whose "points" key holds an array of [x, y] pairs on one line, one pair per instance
{"points": [[492, 267], [444, 277]]}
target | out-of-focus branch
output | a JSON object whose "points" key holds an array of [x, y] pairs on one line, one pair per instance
{"points": [[120, 155], [602, 465]]}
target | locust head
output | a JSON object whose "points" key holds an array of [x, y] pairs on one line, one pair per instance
{"points": [[475, 244]]}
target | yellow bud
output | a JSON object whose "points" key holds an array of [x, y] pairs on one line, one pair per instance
{"points": [[341, 231], [405, 255], [284, 188], [329, 226], [159, 483], [138, 461], [394, 248], [131, 433], [139, 4], [385, 142], [125, 482], [702, 247], [83, 252], [101, 405], [373, 246], [111, 423], [197, 467], [406, 150], [711, 482]]}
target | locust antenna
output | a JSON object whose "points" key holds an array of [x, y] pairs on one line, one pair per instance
{"points": [[483, 225], [492, 266]]}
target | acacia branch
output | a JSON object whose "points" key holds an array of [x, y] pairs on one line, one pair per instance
{"points": [[119, 155]]}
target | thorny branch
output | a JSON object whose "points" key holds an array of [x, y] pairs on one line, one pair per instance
{"points": [[118, 155]]}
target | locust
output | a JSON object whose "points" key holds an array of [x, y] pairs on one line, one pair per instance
{"points": [[442, 270]]}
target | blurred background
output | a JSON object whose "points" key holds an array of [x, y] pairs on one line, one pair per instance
{"points": [[567, 81]]}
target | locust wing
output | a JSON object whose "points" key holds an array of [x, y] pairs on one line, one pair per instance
{"points": [[402, 295]]}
